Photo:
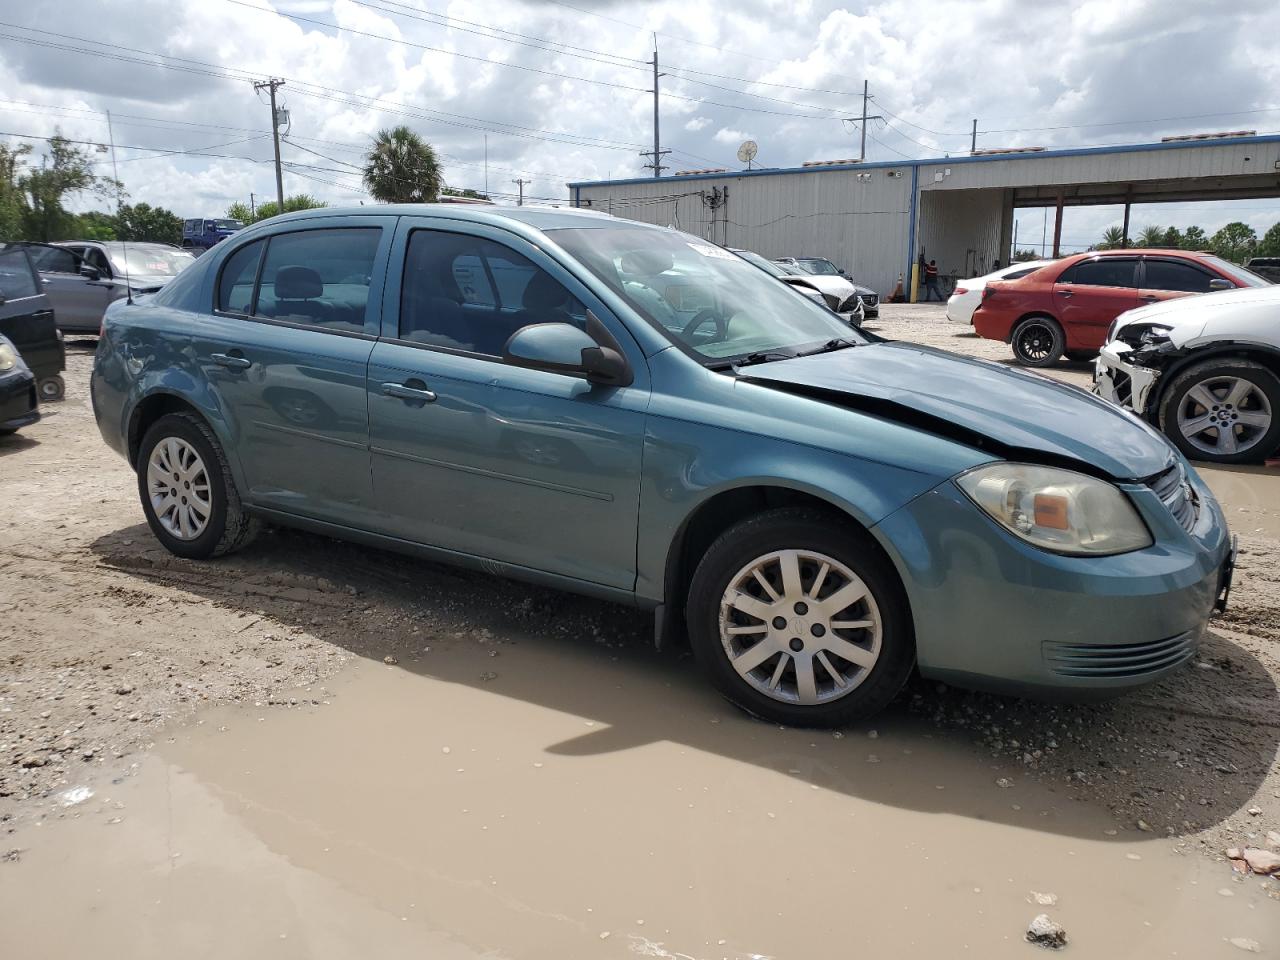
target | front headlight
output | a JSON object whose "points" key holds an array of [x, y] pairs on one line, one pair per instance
{"points": [[8, 358], [1058, 510], [1139, 335]]}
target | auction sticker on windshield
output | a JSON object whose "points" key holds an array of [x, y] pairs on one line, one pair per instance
{"points": [[709, 251]]}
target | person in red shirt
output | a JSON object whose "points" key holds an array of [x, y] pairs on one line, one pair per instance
{"points": [[931, 281]]}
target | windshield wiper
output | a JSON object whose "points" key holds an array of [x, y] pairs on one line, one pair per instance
{"points": [[838, 344], [767, 356]]}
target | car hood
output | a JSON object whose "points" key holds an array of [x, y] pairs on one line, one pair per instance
{"points": [[1188, 315], [1008, 412], [837, 286]]}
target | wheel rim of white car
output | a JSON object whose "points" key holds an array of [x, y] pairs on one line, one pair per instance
{"points": [[178, 487], [1224, 415], [800, 627]]}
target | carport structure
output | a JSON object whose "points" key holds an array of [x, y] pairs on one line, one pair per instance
{"points": [[877, 219]]}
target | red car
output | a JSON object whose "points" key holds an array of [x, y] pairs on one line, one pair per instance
{"points": [[1067, 307]]}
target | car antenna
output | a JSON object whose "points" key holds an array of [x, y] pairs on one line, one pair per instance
{"points": [[124, 244]]}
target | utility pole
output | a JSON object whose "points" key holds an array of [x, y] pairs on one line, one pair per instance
{"points": [[486, 165], [657, 154], [520, 182], [115, 171], [862, 151], [973, 138], [253, 210], [274, 84]]}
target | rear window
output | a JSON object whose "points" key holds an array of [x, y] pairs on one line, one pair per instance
{"points": [[16, 281], [54, 260], [1103, 272]]}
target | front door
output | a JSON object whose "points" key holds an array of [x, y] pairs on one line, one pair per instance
{"points": [[1089, 295], [1166, 278], [286, 351], [536, 469], [78, 302]]}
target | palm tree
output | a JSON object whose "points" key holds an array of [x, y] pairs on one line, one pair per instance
{"points": [[401, 167], [1112, 238], [1151, 236]]}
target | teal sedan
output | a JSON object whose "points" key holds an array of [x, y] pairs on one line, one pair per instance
{"points": [[635, 413]]}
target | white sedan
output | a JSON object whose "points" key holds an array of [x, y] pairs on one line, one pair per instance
{"points": [[968, 293], [1205, 369]]}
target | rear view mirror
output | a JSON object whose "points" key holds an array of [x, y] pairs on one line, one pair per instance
{"points": [[1217, 283]]}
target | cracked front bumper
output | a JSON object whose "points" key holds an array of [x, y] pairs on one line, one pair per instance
{"points": [[1124, 383]]}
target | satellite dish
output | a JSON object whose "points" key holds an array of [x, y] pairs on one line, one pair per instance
{"points": [[747, 152]]}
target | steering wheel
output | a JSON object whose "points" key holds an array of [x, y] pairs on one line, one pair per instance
{"points": [[702, 316]]}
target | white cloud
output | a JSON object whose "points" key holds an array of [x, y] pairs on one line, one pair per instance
{"points": [[698, 123], [726, 135]]}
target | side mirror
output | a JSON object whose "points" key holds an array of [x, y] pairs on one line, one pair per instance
{"points": [[563, 348], [1217, 283], [90, 272]]}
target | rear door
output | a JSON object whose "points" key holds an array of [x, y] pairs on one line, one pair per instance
{"points": [[1167, 278], [78, 301], [1092, 293], [469, 454], [286, 351], [25, 316]]}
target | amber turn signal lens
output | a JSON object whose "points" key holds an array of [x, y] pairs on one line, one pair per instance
{"points": [[1051, 511]]}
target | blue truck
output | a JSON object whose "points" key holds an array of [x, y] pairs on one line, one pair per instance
{"points": [[200, 235]]}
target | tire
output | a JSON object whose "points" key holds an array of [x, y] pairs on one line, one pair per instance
{"points": [[814, 537], [52, 388], [1038, 342], [226, 526], [1250, 429]]}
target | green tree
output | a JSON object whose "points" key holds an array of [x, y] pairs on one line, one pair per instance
{"points": [[1235, 242], [465, 192], [96, 225], [65, 170], [12, 203], [299, 201], [1194, 239], [1151, 236], [1112, 239], [1022, 256], [142, 222], [1269, 245], [401, 167], [1172, 238]]}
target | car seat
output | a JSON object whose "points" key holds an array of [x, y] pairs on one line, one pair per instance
{"points": [[296, 289]]}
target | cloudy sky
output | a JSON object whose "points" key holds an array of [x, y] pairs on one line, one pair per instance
{"points": [[558, 89]]}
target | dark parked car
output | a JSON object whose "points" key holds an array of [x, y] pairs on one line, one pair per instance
{"points": [[19, 405], [1266, 267], [27, 320]]}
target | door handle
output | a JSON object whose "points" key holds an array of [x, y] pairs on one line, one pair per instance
{"points": [[234, 362], [1066, 293], [406, 392], [1149, 297]]}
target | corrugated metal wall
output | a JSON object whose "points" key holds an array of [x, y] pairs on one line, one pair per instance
{"points": [[961, 230], [858, 222]]}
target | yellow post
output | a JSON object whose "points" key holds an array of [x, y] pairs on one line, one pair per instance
{"points": [[915, 284]]}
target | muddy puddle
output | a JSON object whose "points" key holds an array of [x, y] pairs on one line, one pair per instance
{"points": [[408, 815]]}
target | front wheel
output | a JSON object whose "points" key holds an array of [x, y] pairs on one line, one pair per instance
{"points": [[1038, 342], [800, 620], [1223, 411], [187, 491]]}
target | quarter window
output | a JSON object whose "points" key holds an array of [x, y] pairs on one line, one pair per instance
{"points": [[319, 277], [1103, 272], [470, 294], [16, 281], [1171, 275], [235, 286]]}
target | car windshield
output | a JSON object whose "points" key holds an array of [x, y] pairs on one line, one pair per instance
{"points": [[768, 266], [229, 224], [701, 295], [1240, 275], [148, 259], [820, 267]]}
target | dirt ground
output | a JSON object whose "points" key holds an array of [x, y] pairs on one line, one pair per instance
{"points": [[311, 748]]}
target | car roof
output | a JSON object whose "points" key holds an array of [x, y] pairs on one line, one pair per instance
{"points": [[1139, 252], [538, 217]]}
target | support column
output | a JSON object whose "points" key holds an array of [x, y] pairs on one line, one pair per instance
{"points": [[1057, 225], [1128, 202], [1003, 251]]}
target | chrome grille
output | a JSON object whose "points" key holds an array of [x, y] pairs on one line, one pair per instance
{"points": [[1176, 493], [1122, 659], [869, 299]]}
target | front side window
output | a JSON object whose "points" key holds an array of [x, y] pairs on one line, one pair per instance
{"points": [[318, 277], [16, 281], [820, 267], [1172, 275], [55, 260], [471, 294], [703, 297], [1103, 272]]}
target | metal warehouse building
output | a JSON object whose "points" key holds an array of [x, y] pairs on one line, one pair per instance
{"points": [[875, 219]]}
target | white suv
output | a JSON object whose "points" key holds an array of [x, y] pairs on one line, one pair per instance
{"points": [[1205, 369]]}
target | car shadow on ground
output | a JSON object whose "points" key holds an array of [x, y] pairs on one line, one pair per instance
{"points": [[1180, 755], [16, 443]]}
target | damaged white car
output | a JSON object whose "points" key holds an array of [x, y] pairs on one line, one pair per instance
{"points": [[1205, 369]]}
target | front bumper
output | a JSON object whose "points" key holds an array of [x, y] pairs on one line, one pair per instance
{"points": [[992, 612], [1117, 379], [19, 402]]}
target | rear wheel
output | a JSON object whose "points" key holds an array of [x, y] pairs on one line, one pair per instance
{"points": [[1038, 341], [800, 620], [1224, 411], [187, 491]]}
